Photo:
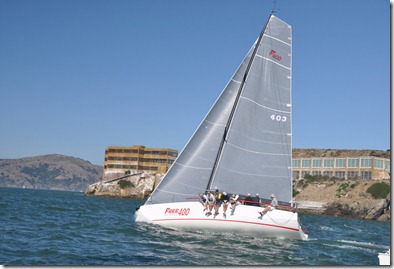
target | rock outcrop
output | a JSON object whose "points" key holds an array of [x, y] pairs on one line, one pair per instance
{"points": [[138, 185], [342, 198]]}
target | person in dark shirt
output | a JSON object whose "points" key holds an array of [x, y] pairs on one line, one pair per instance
{"points": [[225, 201], [218, 201], [248, 200], [257, 200]]}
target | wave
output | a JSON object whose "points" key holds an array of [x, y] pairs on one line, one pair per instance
{"points": [[367, 244]]}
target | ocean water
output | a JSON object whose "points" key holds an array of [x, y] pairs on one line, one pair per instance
{"points": [[59, 228]]}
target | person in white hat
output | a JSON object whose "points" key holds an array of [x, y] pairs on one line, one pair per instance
{"points": [[274, 202], [271, 206]]}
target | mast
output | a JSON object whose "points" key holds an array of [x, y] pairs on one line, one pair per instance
{"points": [[224, 139]]}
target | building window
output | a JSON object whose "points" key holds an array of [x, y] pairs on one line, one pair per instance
{"points": [[388, 166], [353, 163], [296, 175], [316, 173], [304, 173], [366, 175], [379, 164], [327, 173], [328, 163], [316, 163], [306, 163], [365, 163], [340, 174], [340, 163], [352, 174], [296, 163]]}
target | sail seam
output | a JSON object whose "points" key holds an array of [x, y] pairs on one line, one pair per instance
{"points": [[272, 109], [278, 39], [258, 175], [272, 61], [258, 152], [194, 167], [215, 124], [177, 193], [265, 141]]}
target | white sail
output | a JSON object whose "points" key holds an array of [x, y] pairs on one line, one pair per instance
{"points": [[256, 154]]}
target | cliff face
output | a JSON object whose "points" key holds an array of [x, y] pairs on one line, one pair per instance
{"points": [[54, 171], [138, 186], [343, 198]]}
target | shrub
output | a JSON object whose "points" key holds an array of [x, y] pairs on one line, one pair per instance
{"points": [[295, 193], [124, 184], [379, 190]]}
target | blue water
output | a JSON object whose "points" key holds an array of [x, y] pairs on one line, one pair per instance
{"points": [[42, 227]]}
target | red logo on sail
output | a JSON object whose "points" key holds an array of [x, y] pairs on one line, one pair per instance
{"points": [[275, 56]]}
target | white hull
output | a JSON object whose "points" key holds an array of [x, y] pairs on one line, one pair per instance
{"points": [[384, 258], [246, 219]]}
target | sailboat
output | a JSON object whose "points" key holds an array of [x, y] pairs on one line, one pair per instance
{"points": [[243, 145]]}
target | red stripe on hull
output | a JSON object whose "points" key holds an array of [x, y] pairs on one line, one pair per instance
{"points": [[238, 221]]}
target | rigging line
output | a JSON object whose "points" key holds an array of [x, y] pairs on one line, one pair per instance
{"points": [[241, 86], [277, 222], [273, 9]]}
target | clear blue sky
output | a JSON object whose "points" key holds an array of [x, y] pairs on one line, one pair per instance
{"points": [[77, 76]]}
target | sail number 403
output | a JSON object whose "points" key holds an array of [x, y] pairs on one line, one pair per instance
{"points": [[278, 117]]}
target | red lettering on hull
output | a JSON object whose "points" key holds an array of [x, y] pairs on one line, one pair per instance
{"points": [[177, 211]]}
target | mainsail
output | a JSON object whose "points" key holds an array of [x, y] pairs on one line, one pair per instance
{"points": [[243, 145]]}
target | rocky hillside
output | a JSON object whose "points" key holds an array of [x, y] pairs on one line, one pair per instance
{"points": [[347, 198], [307, 153], [54, 171]]}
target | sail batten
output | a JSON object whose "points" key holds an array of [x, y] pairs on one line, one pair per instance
{"points": [[284, 42], [272, 61], [269, 108]]}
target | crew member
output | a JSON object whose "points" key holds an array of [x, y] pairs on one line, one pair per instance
{"points": [[225, 200], [271, 206]]}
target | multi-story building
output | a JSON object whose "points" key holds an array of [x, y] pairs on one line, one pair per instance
{"points": [[366, 168], [120, 159]]}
